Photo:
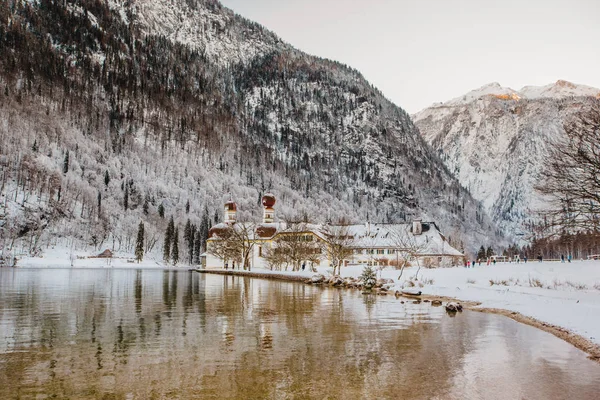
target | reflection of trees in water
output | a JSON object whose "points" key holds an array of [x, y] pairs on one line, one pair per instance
{"points": [[369, 301], [138, 291], [282, 340]]}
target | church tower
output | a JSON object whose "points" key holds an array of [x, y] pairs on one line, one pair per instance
{"points": [[268, 201], [230, 212]]}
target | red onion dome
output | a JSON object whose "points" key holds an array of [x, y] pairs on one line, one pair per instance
{"points": [[230, 206], [220, 230], [268, 200]]}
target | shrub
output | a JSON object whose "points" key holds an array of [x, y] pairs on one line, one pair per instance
{"points": [[368, 278], [534, 282]]}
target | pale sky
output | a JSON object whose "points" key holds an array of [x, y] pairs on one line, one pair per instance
{"points": [[421, 52]]}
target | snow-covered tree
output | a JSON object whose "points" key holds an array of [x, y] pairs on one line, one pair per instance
{"points": [[139, 244], [175, 253]]}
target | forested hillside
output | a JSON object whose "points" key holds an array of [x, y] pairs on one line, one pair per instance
{"points": [[110, 111]]}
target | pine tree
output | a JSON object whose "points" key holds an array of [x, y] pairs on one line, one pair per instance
{"points": [[481, 253], [489, 252], [187, 207], [175, 254], [146, 205], [99, 202], [191, 243], [139, 245], [161, 210], [197, 247], [34, 148], [368, 278], [126, 198], [187, 232], [168, 240], [66, 163], [106, 178], [204, 228]]}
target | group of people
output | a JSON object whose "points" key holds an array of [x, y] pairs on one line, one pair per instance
{"points": [[562, 258], [471, 264], [232, 266]]}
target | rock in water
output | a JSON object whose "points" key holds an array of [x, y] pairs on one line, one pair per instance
{"points": [[453, 307]]}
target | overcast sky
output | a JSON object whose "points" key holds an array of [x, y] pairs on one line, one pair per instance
{"points": [[427, 51]]}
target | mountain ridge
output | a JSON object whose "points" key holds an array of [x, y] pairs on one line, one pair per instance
{"points": [[495, 141], [172, 124]]}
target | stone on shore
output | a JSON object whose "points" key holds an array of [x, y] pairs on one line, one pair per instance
{"points": [[453, 307]]}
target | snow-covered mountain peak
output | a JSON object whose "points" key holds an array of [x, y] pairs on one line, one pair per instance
{"points": [[495, 141], [493, 89], [559, 89]]}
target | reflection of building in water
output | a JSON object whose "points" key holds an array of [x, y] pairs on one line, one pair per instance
{"points": [[294, 245]]}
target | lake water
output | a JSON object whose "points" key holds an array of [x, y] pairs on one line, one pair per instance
{"points": [[148, 334]]}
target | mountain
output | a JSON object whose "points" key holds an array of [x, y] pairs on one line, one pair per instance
{"points": [[112, 109], [495, 140]]}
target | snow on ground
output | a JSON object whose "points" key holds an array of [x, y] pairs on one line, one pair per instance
{"points": [[562, 294], [60, 257]]}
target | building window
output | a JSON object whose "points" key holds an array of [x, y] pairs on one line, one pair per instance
{"points": [[260, 251], [380, 251]]}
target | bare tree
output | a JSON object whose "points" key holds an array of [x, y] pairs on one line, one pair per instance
{"points": [[242, 242], [275, 258], [295, 245], [570, 180], [222, 246], [339, 245], [406, 246]]}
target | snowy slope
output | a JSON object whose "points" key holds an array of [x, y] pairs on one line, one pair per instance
{"points": [[184, 101], [204, 25], [495, 145]]}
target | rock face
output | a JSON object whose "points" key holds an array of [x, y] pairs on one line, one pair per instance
{"points": [[495, 140]]}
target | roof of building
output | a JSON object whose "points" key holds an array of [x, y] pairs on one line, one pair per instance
{"points": [[429, 242], [363, 236]]}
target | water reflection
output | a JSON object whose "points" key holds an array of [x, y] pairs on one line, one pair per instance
{"points": [[169, 334]]}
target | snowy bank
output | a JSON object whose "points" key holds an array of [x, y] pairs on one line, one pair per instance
{"points": [[64, 258], [562, 294]]}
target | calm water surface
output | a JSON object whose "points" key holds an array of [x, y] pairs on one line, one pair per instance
{"points": [[146, 334]]}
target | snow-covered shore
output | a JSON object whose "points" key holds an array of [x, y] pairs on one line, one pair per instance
{"points": [[562, 294], [64, 258]]}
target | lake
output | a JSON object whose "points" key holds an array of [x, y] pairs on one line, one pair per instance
{"points": [[153, 334]]}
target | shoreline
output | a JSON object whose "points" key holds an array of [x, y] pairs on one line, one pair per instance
{"points": [[587, 346]]}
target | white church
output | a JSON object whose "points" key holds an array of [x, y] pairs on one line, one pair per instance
{"points": [[421, 243]]}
